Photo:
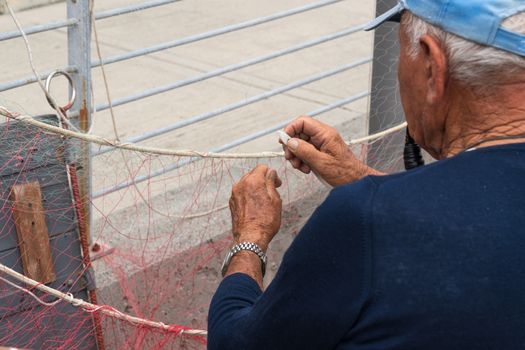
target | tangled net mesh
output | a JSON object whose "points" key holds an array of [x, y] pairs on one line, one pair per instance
{"points": [[157, 226]]}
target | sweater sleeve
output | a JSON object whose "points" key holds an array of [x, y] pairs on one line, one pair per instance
{"points": [[318, 292]]}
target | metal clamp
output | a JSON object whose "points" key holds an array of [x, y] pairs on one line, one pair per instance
{"points": [[72, 96]]}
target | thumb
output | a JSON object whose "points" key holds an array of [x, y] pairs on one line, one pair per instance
{"points": [[272, 179], [306, 152], [272, 183]]}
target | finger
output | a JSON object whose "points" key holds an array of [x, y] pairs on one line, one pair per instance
{"points": [[307, 153], [305, 168], [303, 136], [259, 171], [272, 179], [238, 184], [288, 155], [278, 182], [231, 204], [296, 162], [297, 125], [309, 127], [244, 177], [272, 183], [257, 175]]}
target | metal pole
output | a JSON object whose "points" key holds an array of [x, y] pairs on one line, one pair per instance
{"points": [[39, 28], [30, 79], [79, 54], [132, 8]]}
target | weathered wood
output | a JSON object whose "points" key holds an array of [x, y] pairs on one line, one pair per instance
{"points": [[31, 228]]}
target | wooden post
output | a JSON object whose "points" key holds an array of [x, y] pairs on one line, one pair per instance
{"points": [[33, 237]]}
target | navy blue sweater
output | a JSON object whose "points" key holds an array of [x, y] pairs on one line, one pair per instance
{"points": [[429, 259]]}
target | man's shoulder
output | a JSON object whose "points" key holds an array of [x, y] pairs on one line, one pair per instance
{"points": [[458, 170], [370, 185], [352, 196], [435, 177], [470, 179], [398, 189]]}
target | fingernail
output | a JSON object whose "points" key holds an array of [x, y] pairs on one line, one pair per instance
{"points": [[293, 144]]}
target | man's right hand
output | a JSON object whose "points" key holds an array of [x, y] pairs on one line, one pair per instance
{"points": [[319, 148]]}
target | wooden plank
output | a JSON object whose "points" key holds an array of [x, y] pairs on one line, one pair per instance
{"points": [[31, 228]]}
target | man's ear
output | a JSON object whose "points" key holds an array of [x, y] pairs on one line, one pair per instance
{"points": [[436, 66]]}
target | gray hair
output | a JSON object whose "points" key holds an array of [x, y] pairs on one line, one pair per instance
{"points": [[474, 65]]}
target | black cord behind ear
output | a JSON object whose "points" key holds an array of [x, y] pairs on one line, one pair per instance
{"points": [[412, 153]]}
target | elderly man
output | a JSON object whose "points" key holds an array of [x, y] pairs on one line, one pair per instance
{"points": [[433, 258]]}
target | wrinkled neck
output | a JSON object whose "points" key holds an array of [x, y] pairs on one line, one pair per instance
{"points": [[485, 119]]}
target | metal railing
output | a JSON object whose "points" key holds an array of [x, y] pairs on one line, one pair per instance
{"points": [[228, 146], [40, 28], [240, 104], [78, 25], [229, 69]]}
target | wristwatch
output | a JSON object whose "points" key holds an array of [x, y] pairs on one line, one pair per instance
{"points": [[252, 247]]}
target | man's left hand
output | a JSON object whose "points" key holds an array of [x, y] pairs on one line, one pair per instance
{"points": [[256, 207]]}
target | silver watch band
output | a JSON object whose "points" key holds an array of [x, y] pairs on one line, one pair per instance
{"points": [[252, 247]]}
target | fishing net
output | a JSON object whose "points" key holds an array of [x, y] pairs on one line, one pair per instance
{"points": [[137, 233]]}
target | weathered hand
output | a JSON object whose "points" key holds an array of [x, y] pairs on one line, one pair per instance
{"points": [[318, 147], [256, 207]]}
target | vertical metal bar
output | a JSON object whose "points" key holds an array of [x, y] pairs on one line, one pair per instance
{"points": [[79, 55], [385, 104], [79, 52]]}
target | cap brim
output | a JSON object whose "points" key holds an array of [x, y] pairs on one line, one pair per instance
{"points": [[392, 15]]}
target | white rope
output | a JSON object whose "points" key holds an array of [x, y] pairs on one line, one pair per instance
{"points": [[169, 152], [103, 70], [30, 293], [88, 307], [378, 135]]}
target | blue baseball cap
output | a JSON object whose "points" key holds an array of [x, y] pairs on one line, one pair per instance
{"points": [[475, 20]]}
